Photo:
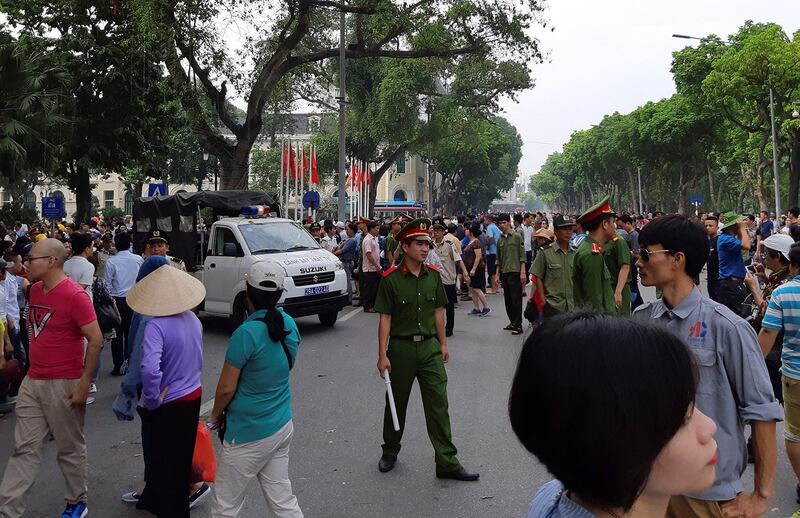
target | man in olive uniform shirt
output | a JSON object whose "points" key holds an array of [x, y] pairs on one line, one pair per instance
{"points": [[392, 256], [553, 269], [592, 282], [618, 261], [511, 265], [412, 344]]}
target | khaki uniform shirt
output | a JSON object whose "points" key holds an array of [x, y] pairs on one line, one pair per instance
{"points": [[554, 268], [411, 300], [448, 256]]}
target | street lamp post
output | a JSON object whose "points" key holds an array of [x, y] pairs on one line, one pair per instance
{"points": [[776, 178], [342, 190]]}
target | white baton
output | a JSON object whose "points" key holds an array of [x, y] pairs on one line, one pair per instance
{"points": [[390, 395]]}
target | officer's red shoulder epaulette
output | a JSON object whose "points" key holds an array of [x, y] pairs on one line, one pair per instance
{"points": [[432, 267], [389, 271], [597, 249]]}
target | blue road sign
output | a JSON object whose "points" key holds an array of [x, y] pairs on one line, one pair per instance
{"points": [[53, 207], [311, 200], [696, 199], [156, 189]]}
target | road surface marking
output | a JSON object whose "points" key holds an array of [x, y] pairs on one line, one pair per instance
{"points": [[350, 315]]}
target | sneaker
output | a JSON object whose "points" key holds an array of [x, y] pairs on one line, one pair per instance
{"points": [[90, 400], [93, 389], [199, 495], [78, 510], [509, 327], [131, 497], [485, 311], [517, 331], [474, 312]]}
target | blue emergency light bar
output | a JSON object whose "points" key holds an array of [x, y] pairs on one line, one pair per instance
{"points": [[258, 211]]}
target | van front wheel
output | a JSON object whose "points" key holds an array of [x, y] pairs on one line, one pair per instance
{"points": [[328, 319]]}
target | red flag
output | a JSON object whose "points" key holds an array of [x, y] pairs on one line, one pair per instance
{"points": [[359, 177], [305, 162], [314, 176], [292, 166], [351, 180]]}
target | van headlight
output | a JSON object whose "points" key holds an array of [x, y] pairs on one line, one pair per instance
{"points": [[339, 265]]}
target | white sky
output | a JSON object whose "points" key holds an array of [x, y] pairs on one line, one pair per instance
{"points": [[615, 55]]}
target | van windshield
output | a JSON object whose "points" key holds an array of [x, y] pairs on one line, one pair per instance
{"points": [[271, 238]]}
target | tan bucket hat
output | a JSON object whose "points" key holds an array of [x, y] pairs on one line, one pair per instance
{"points": [[166, 291]]}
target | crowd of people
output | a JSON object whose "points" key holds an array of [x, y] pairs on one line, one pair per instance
{"points": [[652, 420]]}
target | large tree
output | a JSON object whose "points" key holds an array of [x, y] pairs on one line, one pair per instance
{"points": [[297, 36]]}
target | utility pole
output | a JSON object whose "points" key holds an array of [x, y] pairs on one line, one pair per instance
{"points": [[342, 190], [775, 156]]}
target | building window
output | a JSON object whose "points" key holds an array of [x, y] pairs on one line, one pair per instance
{"points": [[313, 124], [108, 199], [400, 195], [401, 164], [30, 199], [6, 198], [128, 202]]}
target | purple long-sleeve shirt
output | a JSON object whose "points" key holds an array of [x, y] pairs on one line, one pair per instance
{"points": [[172, 358]]}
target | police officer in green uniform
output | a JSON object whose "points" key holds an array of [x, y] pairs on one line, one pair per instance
{"points": [[393, 256], [591, 280], [412, 344], [618, 261], [553, 270]]}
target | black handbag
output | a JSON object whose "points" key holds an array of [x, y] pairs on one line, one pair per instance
{"points": [[222, 423], [105, 307]]}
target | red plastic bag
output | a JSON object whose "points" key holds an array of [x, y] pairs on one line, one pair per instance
{"points": [[204, 464]]}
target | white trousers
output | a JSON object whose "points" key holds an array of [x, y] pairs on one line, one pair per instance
{"points": [[267, 459]]}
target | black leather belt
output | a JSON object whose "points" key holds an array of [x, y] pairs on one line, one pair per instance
{"points": [[731, 280], [415, 338]]}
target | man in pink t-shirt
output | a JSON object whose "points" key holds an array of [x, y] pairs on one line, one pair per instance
{"points": [[370, 265], [52, 398]]}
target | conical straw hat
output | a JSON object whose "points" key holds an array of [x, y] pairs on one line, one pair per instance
{"points": [[166, 291]]}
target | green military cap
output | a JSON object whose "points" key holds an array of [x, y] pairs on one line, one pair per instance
{"points": [[731, 218], [314, 226], [402, 219], [602, 208], [415, 229]]}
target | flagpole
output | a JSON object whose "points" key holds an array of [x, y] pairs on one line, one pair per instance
{"points": [[297, 215], [280, 177], [369, 186], [302, 177], [287, 150]]}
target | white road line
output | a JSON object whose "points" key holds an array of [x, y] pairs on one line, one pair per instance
{"points": [[350, 315], [206, 408]]}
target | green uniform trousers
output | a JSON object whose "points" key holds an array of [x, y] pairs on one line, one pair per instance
{"points": [[421, 360]]}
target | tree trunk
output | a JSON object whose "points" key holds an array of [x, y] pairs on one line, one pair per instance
{"points": [[234, 171], [81, 186], [712, 195], [378, 174], [681, 192], [794, 171], [633, 189]]}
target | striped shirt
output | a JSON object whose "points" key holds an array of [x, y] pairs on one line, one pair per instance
{"points": [[783, 312]]}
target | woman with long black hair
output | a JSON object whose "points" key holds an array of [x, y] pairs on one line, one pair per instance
{"points": [[252, 406]]}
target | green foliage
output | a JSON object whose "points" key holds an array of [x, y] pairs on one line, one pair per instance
{"points": [[712, 137], [11, 213], [111, 214]]}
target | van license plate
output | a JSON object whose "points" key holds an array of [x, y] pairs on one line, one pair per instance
{"points": [[316, 290]]}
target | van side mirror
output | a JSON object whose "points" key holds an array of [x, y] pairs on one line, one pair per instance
{"points": [[231, 250]]}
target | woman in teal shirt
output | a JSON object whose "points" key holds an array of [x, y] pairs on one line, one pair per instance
{"points": [[253, 392]]}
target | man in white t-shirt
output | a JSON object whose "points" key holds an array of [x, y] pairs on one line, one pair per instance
{"points": [[78, 268]]}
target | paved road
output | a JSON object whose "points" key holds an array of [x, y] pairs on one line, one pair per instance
{"points": [[338, 408]]}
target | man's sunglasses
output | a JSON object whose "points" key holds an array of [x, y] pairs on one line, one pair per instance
{"points": [[644, 253]]}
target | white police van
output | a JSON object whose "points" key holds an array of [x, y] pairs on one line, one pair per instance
{"points": [[315, 284]]}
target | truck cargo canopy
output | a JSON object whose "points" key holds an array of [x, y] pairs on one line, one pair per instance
{"points": [[176, 215]]}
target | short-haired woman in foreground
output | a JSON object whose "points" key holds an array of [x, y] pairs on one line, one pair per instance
{"points": [[607, 405]]}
